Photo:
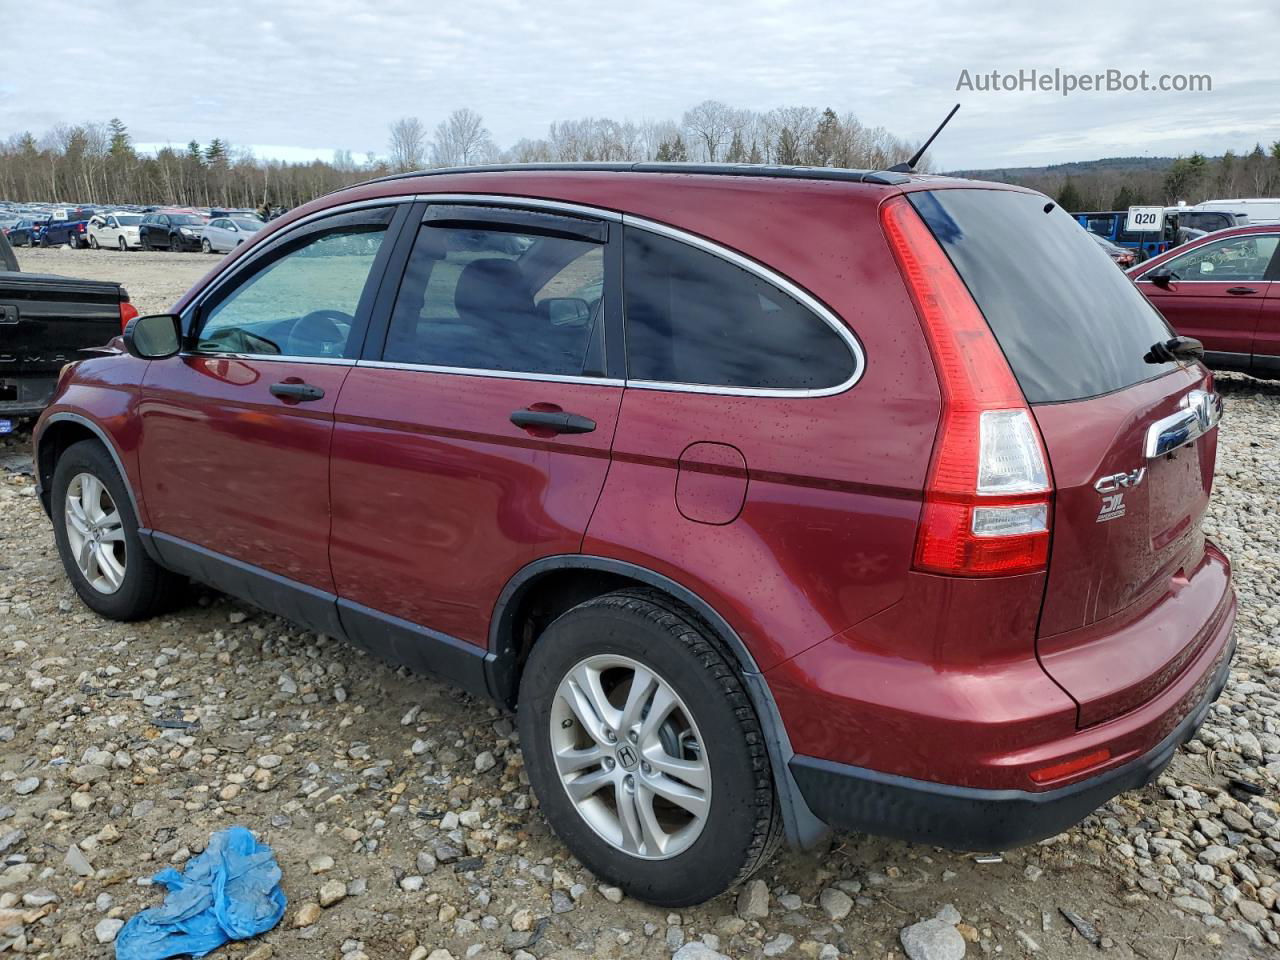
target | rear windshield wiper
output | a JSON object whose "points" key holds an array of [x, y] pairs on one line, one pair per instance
{"points": [[1177, 350]]}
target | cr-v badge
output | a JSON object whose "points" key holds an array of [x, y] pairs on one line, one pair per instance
{"points": [[1112, 488]]}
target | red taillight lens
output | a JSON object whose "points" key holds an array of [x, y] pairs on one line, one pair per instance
{"points": [[987, 498], [127, 312]]}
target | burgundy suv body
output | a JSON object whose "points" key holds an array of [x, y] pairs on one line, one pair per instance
{"points": [[902, 487]]}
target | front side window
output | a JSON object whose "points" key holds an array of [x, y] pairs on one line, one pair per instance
{"points": [[1236, 258], [695, 318], [303, 302], [489, 299]]}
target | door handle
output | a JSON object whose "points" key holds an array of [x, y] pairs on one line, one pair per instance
{"points": [[558, 421], [1240, 291], [297, 392]]}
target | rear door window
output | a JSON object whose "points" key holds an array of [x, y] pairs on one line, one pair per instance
{"points": [[1071, 325], [498, 298], [1235, 258], [693, 317]]}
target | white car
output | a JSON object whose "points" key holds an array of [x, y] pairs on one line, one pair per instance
{"points": [[223, 234], [118, 229]]}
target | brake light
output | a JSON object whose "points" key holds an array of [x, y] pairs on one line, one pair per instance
{"points": [[987, 497], [127, 312]]}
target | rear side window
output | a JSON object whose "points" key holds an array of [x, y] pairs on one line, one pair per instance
{"points": [[695, 318], [1070, 323]]}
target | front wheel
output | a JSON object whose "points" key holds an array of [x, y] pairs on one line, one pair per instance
{"points": [[175, 244], [96, 532], [123, 244], [644, 750], [206, 246], [93, 242]]}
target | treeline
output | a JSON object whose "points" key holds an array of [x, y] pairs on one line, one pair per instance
{"points": [[1193, 179], [98, 162]]}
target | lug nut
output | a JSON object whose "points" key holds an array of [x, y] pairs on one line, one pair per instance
{"points": [[645, 768], [632, 736], [611, 736], [608, 763], [629, 782]]}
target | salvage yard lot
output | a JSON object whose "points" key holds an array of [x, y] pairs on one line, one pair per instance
{"points": [[135, 741]]}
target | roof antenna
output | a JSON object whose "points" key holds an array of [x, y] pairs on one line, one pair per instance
{"points": [[910, 165]]}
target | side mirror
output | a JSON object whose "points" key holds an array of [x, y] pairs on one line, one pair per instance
{"points": [[153, 337], [566, 311], [1160, 279]]}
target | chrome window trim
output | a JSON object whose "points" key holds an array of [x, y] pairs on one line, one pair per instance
{"points": [[531, 203], [774, 279], [482, 372], [278, 358]]}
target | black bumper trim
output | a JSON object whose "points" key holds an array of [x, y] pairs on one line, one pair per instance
{"points": [[967, 818]]}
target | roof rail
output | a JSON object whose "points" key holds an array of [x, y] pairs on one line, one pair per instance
{"points": [[884, 177]]}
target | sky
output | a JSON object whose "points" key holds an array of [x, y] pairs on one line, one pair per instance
{"points": [[297, 79]]}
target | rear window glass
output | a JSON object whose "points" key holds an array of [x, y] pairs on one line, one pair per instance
{"points": [[1070, 322]]}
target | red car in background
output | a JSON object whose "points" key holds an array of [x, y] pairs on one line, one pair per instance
{"points": [[1224, 290], [771, 499]]}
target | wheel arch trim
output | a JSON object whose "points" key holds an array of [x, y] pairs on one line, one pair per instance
{"points": [[64, 416], [802, 827]]}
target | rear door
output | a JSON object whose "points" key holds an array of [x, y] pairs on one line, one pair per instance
{"points": [[1215, 292], [475, 434], [1130, 443]]}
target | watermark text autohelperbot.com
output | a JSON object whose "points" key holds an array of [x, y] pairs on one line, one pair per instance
{"points": [[1031, 80]]}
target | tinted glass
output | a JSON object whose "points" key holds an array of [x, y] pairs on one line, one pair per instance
{"points": [[1070, 323], [129, 220], [249, 225], [695, 318], [302, 304], [1239, 258], [492, 300], [185, 219]]}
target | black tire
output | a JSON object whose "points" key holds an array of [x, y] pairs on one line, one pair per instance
{"points": [[44, 242], [93, 242], [123, 244], [147, 588], [206, 246], [175, 243], [743, 826]]}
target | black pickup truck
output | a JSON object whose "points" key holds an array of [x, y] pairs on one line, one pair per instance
{"points": [[45, 323]]}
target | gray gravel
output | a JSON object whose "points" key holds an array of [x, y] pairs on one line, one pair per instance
{"points": [[400, 814]]}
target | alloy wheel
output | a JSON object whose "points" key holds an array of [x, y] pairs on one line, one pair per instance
{"points": [[95, 533], [629, 755]]}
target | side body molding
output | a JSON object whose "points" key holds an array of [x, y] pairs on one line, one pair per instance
{"points": [[803, 828]]}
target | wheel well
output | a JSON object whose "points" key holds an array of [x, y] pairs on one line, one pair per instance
{"points": [[537, 602], [54, 441]]}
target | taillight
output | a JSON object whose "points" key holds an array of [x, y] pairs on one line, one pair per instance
{"points": [[988, 496], [127, 312]]}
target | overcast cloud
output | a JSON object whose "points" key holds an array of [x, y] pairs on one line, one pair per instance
{"points": [[300, 78]]}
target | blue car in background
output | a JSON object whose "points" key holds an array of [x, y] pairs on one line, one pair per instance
{"points": [[53, 232], [1109, 224], [19, 232]]}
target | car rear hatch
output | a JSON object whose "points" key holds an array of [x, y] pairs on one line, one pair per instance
{"points": [[1130, 443]]}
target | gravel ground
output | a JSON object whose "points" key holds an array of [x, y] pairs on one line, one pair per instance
{"points": [[401, 818]]}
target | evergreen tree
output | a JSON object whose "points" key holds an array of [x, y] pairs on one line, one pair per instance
{"points": [[737, 152], [825, 140], [1069, 198], [754, 156], [788, 148]]}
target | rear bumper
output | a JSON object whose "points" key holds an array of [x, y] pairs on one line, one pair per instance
{"points": [[968, 818], [24, 395]]}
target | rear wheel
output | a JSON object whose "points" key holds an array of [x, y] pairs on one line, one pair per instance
{"points": [[644, 750], [97, 536], [123, 244]]}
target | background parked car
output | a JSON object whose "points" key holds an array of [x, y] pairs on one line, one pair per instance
{"points": [[1253, 210], [117, 229], [1222, 289], [1207, 220], [170, 231], [223, 234], [1109, 224], [1122, 257], [20, 233]]}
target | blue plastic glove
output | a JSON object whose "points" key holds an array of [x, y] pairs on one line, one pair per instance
{"points": [[229, 892]]}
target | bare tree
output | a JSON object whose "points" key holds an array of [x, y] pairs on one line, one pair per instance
{"points": [[710, 125], [408, 145], [461, 139]]}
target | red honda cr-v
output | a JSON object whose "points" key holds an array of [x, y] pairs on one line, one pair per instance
{"points": [[771, 498]]}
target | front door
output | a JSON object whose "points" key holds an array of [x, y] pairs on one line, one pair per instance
{"points": [[478, 437], [236, 429], [1215, 292]]}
